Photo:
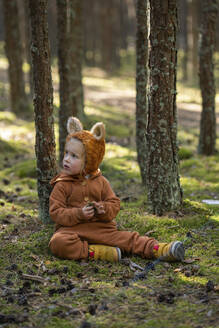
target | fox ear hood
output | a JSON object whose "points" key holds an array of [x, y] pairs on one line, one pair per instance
{"points": [[98, 131], [74, 125], [93, 141]]}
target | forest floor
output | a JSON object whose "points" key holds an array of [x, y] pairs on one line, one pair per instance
{"points": [[39, 290]]}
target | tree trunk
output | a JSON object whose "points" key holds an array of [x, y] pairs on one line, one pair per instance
{"points": [[92, 33], [115, 22], [106, 35], [217, 35], [207, 136], [70, 55], [164, 191], [43, 104], [123, 12], [13, 49], [195, 5], [141, 85], [52, 23], [21, 20], [184, 38], [28, 45]]}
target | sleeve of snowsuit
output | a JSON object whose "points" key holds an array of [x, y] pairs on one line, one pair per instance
{"points": [[110, 202], [59, 212]]}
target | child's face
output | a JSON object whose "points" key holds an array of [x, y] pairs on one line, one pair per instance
{"points": [[74, 158]]}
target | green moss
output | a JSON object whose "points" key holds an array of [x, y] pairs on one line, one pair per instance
{"points": [[58, 322], [10, 151], [106, 114], [23, 169], [196, 207], [185, 153], [190, 163], [31, 183], [7, 117]]}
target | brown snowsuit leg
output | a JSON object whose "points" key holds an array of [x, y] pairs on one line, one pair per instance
{"points": [[72, 242]]}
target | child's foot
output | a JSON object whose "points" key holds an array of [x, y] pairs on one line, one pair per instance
{"points": [[169, 251], [105, 253]]}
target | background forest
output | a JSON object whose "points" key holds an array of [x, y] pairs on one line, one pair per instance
{"points": [[94, 64]]}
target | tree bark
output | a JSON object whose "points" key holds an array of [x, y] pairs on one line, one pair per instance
{"points": [[52, 28], [43, 104], [13, 49], [141, 85], [27, 46], [184, 38], [207, 137], [70, 56], [123, 12], [164, 191], [92, 33], [195, 6], [106, 11]]}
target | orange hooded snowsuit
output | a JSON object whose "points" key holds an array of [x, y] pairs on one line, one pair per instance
{"points": [[73, 232]]}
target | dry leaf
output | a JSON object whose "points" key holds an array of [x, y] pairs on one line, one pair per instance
{"points": [[48, 262], [216, 289], [34, 257]]}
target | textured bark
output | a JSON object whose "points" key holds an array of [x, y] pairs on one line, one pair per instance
{"points": [[164, 191], [70, 56], [141, 84], [91, 33], [52, 22], [27, 45], [184, 37], [43, 104], [217, 35], [195, 4], [13, 49], [110, 34], [106, 13], [123, 13], [207, 136]]}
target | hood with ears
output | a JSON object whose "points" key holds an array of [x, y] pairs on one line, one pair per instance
{"points": [[93, 141]]}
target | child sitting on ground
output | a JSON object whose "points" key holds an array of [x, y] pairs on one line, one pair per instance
{"points": [[83, 206]]}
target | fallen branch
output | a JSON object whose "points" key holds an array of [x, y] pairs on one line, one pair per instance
{"points": [[34, 278], [33, 294]]}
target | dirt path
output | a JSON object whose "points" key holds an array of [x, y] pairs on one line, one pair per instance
{"points": [[189, 114]]}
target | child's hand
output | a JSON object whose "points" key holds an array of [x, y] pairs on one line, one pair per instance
{"points": [[88, 211], [98, 207]]}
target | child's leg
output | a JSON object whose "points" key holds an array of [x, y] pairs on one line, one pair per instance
{"points": [[107, 234], [66, 244], [144, 246], [130, 242]]}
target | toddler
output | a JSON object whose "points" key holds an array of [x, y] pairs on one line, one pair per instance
{"points": [[84, 206]]}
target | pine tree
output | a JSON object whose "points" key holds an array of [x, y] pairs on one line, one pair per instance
{"points": [[141, 85], [43, 104], [207, 137], [13, 51], [164, 191], [70, 56]]}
